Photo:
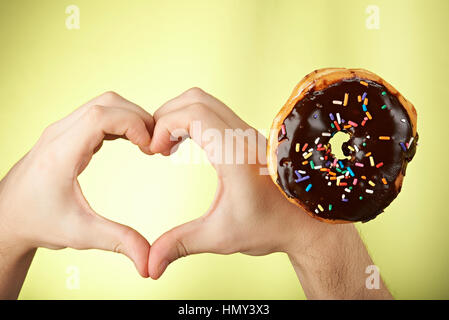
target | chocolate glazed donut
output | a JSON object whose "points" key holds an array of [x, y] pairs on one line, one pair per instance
{"points": [[382, 138]]}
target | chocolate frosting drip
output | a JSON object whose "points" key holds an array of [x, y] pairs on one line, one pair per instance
{"points": [[356, 188]]}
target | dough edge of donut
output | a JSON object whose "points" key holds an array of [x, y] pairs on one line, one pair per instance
{"points": [[318, 80]]}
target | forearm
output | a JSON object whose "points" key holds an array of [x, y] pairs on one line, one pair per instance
{"points": [[14, 265], [333, 266]]}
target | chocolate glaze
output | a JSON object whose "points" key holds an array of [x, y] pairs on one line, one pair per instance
{"points": [[310, 118]]}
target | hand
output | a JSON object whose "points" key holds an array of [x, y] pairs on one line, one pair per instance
{"points": [[41, 202], [249, 214]]}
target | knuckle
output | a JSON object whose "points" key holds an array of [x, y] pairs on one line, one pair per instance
{"points": [[195, 93], [95, 113], [109, 96], [198, 109]]}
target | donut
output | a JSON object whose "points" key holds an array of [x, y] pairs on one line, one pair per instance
{"points": [[356, 183]]}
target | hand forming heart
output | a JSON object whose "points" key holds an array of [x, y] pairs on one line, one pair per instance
{"points": [[42, 205]]}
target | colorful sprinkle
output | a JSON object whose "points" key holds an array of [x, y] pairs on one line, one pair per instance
{"points": [[297, 147], [345, 101], [359, 164], [369, 115], [369, 191], [307, 156], [380, 164], [364, 83], [309, 187], [371, 161], [330, 207], [283, 129], [337, 102], [320, 207], [304, 147], [352, 123], [384, 107], [384, 93], [384, 138], [371, 183], [384, 181]]}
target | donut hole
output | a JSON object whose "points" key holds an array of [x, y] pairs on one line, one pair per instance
{"points": [[339, 142]]}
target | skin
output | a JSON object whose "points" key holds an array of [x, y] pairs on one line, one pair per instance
{"points": [[41, 202], [253, 218]]}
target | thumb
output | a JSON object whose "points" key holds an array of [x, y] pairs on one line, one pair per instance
{"points": [[96, 232], [198, 236]]}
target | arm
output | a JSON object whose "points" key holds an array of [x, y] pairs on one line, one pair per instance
{"points": [[41, 201], [249, 214]]}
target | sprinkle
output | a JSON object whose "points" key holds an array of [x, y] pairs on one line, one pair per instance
{"points": [[364, 144], [360, 198], [364, 108], [316, 211], [319, 168], [332, 125], [343, 184], [330, 207], [351, 148], [301, 171], [324, 169], [305, 162], [301, 179], [345, 101], [384, 107], [307, 156], [403, 120], [352, 123], [312, 165], [341, 164], [337, 102], [355, 181], [364, 121], [359, 98], [369, 115], [331, 116], [329, 183], [338, 118], [380, 164], [364, 83], [356, 148], [332, 173], [364, 96], [363, 177], [326, 134], [344, 200], [347, 190], [310, 150], [297, 147], [317, 140], [384, 138], [320, 207], [304, 147], [315, 116], [371, 183], [283, 129], [359, 164], [365, 101], [384, 181], [371, 161], [309, 187], [350, 171], [347, 126], [384, 93], [369, 191], [337, 126], [368, 154], [410, 142]]}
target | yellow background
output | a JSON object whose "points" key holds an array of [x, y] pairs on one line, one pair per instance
{"points": [[250, 54]]}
